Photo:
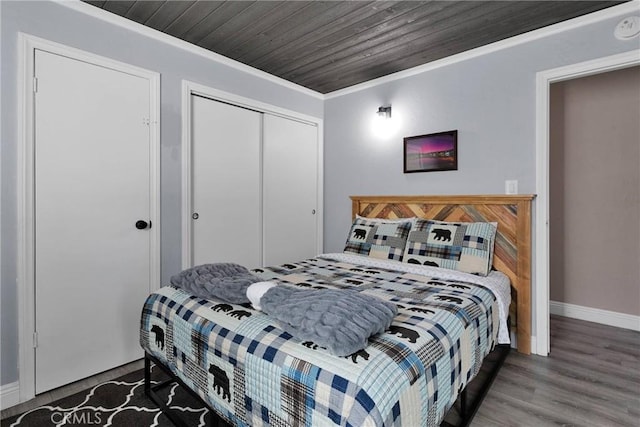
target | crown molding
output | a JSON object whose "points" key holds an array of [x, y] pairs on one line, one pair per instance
{"points": [[130, 25], [631, 7]]}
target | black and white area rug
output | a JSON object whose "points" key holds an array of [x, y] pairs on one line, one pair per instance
{"points": [[118, 403]]}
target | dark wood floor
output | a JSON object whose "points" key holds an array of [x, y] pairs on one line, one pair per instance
{"points": [[591, 378]]}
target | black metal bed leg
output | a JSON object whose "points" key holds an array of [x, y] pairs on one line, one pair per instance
{"points": [[214, 421], [147, 374], [463, 404]]}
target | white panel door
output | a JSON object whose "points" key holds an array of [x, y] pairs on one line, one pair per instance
{"points": [[290, 190], [226, 211], [92, 184]]}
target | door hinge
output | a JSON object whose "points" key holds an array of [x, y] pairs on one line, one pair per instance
{"points": [[35, 340], [35, 85]]}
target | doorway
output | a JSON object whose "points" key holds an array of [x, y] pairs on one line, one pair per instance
{"points": [[594, 180], [540, 343]]}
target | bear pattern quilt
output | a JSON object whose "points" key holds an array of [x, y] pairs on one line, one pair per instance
{"points": [[254, 374]]}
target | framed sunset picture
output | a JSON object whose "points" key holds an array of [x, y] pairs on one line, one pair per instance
{"points": [[432, 152]]}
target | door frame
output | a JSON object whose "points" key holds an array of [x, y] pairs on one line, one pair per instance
{"points": [[190, 88], [544, 79], [27, 44]]}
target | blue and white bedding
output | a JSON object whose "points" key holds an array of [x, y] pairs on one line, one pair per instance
{"points": [[253, 373]]}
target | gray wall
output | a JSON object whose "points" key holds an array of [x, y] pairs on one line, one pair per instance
{"points": [[60, 24], [489, 99], [594, 198]]}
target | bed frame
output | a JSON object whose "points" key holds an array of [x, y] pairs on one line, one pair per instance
{"points": [[512, 256], [512, 253]]}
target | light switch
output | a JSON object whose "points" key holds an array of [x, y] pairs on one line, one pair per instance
{"points": [[511, 187]]}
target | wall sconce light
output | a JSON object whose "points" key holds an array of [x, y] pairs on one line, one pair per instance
{"points": [[385, 112]]}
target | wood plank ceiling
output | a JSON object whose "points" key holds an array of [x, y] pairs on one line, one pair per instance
{"points": [[330, 45]]}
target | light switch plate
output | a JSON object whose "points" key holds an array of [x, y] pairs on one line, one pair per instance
{"points": [[511, 187]]}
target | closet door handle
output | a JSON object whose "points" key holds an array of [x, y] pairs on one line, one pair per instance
{"points": [[141, 225], [195, 215], [313, 212]]}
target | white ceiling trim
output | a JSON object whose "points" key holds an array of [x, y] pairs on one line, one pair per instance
{"points": [[120, 21], [631, 7]]}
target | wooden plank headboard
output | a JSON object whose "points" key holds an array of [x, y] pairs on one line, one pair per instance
{"points": [[512, 253]]}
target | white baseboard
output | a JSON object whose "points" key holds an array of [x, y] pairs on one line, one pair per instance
{"points": [[9, 395], [606, 317]]}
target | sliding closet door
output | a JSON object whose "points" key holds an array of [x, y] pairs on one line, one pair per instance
{"points": [[226, 211], [290, 190]]}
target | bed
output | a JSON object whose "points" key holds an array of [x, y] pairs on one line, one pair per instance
{"points": [[244, 366]]}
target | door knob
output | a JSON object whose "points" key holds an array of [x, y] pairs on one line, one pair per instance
{"points": [[141, 225], [195, 215]]}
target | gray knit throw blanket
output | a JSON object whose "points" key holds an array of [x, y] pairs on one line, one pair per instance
{"points": [[337, 319], [225, 281]]}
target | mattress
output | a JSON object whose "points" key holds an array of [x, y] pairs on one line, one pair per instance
{"points": [[253, 373]]}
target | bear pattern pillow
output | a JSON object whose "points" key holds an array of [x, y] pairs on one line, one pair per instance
{"points": [[378, 239], [461, 246]]}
